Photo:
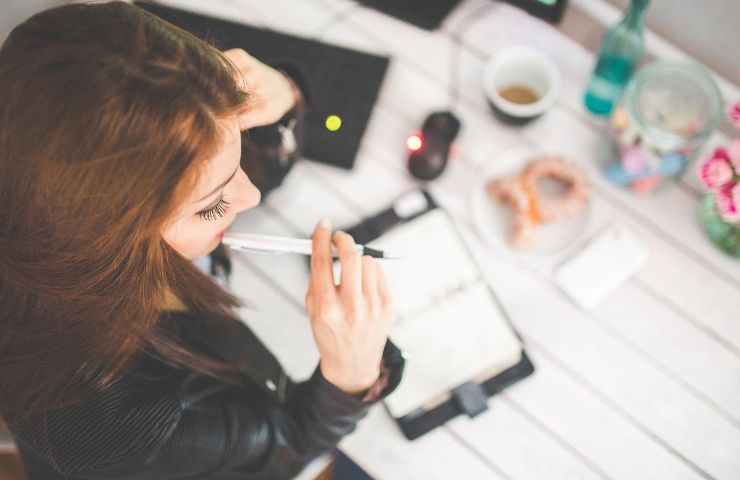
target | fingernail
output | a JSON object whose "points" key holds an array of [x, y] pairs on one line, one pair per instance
{"points": [[324, 222]]}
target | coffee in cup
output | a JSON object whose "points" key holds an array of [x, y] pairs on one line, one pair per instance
{"points": [[520, 83]]}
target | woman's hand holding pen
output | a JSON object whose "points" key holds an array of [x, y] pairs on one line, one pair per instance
{"points": [[350, 321]]}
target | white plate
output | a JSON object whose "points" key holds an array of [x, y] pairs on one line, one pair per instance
{"points": [[493, 219]]}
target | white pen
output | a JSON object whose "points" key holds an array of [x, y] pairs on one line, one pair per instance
{"points": [[269, 244]]}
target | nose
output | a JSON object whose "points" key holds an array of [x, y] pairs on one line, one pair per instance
{"points": [[249, 195]]}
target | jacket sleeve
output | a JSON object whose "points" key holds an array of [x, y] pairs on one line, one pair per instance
{"points": [[162, 422], [154, 425], [250, 433]]}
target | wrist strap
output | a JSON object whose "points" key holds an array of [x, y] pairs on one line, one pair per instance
{"points": [[297, 94], [372, 393]]}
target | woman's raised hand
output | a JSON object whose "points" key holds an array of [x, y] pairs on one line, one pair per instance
{"points": [[350, 321], [274, 95]]}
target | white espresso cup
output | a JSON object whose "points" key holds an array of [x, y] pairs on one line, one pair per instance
{"points": [[516, 67]]}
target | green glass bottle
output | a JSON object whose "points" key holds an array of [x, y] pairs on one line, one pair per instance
{"points": [[619, 54]]}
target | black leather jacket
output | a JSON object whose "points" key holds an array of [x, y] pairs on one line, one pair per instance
{"points": [[160, 421]]}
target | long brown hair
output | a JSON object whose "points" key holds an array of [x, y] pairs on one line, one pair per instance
{"points": [[106, 116]]}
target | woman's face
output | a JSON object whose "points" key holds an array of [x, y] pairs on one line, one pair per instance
{"points": [[196, 228]]}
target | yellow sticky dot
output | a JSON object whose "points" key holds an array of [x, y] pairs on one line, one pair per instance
{"points": [[333, 123]]}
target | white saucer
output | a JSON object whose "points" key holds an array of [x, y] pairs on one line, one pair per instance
{"points": [[493, 219]]}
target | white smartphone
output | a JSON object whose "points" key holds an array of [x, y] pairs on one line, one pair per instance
{"points": [[605, 263]]}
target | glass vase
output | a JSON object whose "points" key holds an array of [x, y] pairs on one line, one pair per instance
{"points": [[724, 234]]}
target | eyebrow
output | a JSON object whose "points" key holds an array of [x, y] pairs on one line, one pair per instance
{"points": [[220, 186]]}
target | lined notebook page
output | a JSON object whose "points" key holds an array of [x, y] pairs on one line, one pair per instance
{"points": [[447, 321]]}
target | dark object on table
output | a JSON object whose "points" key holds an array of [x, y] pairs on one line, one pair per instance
{"points": [[550, 10], [346, 469], [427, 14], [467, 399], [430, 152], [343, 83]]}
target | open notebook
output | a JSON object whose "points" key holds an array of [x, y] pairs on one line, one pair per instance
{"points": [[448, 323]]}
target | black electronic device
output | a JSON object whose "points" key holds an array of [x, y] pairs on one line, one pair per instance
{"points": [[551, 10], [430, 148], [343, 84], [427, 14]]}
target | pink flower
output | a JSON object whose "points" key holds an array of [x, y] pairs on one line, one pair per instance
{"points": [[715, 171], [733, 114], [720, 152], [728, 201], [734, 154]]}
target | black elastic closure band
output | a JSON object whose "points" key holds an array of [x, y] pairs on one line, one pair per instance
{"points": [[471, 398]]}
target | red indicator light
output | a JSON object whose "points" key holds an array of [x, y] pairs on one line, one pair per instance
{"points": [[414, 142]]}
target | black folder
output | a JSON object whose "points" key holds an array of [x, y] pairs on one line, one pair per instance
{"points": [[468, 397], [341, 82]]}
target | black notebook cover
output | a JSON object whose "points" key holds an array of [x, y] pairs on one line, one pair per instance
{"points": [[427, 14], [340, 81], [463, 399]]}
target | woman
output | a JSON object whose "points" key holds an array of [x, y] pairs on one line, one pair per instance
{"points": [[119, 164]]}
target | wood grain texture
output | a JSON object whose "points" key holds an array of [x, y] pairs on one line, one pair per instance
{"points": [[645, 386]]}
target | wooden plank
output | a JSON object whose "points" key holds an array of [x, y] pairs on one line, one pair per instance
{"points": [[695, 289], [579, 422], [641, 366], [705, 364], [719, 300], [716, 302], [701, 437], [712, 306], [517, 459], [699, 361], [379, 448], [672, 272], [712, 377], [521, 447]]}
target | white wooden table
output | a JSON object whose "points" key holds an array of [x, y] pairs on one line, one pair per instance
{"points": [[646, 386]]}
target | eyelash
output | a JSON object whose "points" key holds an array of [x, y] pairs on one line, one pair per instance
{"points": [[220, 209]]}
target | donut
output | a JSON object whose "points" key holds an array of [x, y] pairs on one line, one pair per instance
{"points": [[524, 225], [551, 208], [531, 205]]}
